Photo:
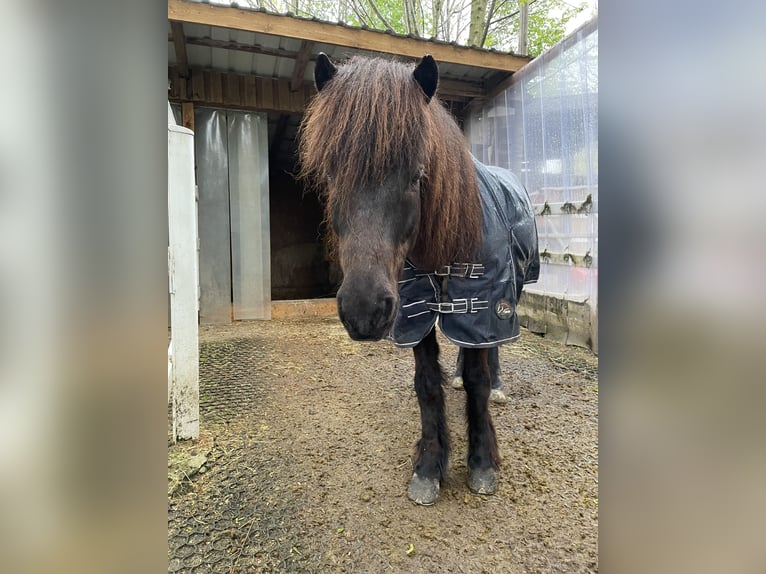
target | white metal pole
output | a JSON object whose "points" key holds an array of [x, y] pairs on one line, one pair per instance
{"points": [[183, 269]]}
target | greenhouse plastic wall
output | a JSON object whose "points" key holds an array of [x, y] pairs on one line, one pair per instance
{"points": [[544, 127]]}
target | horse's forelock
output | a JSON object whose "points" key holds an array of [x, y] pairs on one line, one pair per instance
{"points": [[367, 121]]}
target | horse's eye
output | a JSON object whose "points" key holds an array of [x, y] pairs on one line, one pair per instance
{"points": [[417, 177]]}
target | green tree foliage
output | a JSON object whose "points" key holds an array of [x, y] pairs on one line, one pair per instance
{"points": [[484, 23], [546, 31], [547, 24]]}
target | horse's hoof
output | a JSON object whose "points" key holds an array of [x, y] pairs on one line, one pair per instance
{"points": [[423, 491], [482, 480], [457, 383], [497, 396]]}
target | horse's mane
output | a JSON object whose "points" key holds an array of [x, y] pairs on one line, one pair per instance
{"points": [[373, 118]]}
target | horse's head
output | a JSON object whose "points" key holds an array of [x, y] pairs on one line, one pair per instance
{"points": [[375, 231], [364, 140], [398, 180]]}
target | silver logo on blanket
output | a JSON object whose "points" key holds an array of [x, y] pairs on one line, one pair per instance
{"points": [[504, 309]]}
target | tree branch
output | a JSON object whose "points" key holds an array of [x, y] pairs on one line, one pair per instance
{"points": [[436, 10], [364, 17], [415, 21], [490, 14], [388, 26]]}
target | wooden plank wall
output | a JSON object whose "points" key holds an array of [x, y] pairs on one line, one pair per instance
{"points": [[220, 89]]}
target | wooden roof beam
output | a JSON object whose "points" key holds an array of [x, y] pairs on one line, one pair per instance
{"points": [[239, 47], [447, 86], [301, 60], [328, 33], [179, 43], [466, 90]]}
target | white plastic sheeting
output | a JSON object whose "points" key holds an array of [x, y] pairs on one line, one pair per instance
{"points": [[249, 213], [212, 162], [544, 128], [233, 179]]}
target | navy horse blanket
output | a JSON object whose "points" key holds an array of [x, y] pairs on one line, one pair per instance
{"points": [[475, 303]]}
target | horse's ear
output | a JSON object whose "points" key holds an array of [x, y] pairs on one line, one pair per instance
{"points": [[427, 76], [324, 71]]}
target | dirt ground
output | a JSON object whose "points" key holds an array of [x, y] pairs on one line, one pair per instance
{"points": [[309, 437]]}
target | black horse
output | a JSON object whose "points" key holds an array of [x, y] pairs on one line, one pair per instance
{"points": [[424, 233]]}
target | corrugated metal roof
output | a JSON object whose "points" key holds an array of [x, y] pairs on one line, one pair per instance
{"points": [[235, 58]]}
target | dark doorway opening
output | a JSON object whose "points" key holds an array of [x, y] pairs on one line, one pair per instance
{"points": [[301, 267]]}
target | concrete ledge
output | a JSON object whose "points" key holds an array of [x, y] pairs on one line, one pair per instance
{"points": [[304, 308], [564, 320]]}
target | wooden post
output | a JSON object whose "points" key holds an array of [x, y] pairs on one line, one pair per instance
{"points": [[183, 269], [187, 113], [299, 69]]}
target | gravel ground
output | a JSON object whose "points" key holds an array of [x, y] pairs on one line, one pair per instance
{"points": [[308, 438]]}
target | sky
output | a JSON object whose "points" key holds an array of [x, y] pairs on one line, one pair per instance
{"points": [[590, 11]]}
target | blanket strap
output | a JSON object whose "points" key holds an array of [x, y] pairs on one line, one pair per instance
{"points": [[470, 270], [473, 305]]}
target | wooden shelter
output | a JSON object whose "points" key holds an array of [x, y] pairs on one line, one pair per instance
{"points": [[228, 64]]}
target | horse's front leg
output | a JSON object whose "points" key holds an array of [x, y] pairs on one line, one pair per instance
{"points": [[483, 458], [432, 450]]}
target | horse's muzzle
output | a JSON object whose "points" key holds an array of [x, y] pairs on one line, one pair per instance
{"points": [[366, 316]]}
